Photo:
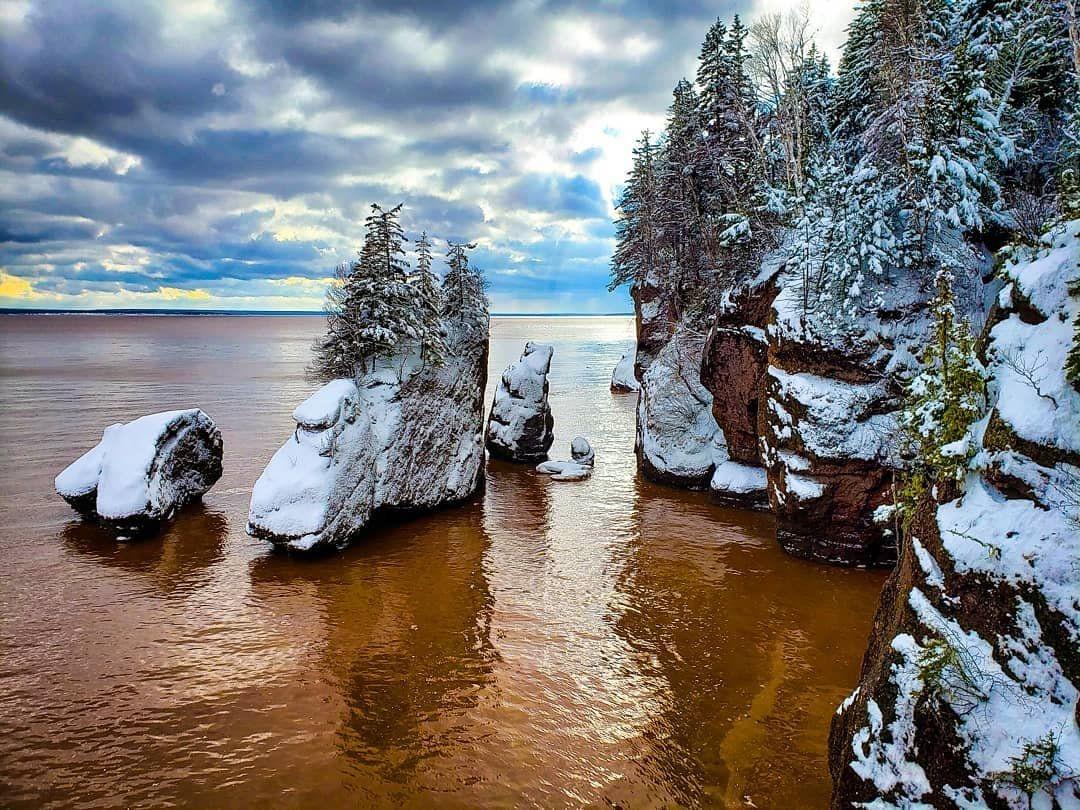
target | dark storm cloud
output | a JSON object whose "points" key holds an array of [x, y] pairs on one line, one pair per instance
{"points": [[222, 146]]}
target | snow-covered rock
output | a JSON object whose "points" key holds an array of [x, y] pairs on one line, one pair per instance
{"points": [[578, 468], [520, 425], [969, 690], [379, 444], [143, 472], [742, 485], [622, 378], [678, 440]]}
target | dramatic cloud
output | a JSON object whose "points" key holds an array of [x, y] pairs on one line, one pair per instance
{"points": [[216, 154]]}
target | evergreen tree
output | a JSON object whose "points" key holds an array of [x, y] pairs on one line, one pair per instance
{"points": [[944, 398], [373, 311], [334, 350], [465, 303], [429, 291], [637, 227], [679, 174]]}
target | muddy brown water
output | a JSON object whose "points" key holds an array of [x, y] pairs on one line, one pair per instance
{"points": [[610, 642]]}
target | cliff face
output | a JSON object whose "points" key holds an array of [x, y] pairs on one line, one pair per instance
{"points": [[403, 438], [968, 693], [799, 420]]}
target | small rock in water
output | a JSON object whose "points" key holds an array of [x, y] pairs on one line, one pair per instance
{"points": [[578, 468], [141, 473]]}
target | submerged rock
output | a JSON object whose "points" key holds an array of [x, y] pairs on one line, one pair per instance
{"points": [[968, 693], [578, 468], [384, 443], [622, 378], [520, 426], [143, 472]]}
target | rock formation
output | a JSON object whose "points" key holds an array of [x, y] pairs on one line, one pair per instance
{"points": [[968, 692], [403, 438], [142, 472], [578, 468], [678, 440], [520, 426], [623, 380]]}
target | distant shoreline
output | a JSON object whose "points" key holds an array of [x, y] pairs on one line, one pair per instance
{"points": [[278, 313]]}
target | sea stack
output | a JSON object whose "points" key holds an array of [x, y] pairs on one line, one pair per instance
{"points": [[142, 472], [405, 437], [623, 380], [520, 426]]}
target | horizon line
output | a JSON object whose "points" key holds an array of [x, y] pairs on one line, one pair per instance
{"points": [[290, 312]]}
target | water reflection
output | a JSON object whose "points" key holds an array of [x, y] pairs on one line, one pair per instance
{"points": [[406, 646], [755, 647], [600, 643], [173, 560]]}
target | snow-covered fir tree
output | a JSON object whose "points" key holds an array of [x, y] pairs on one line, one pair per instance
{"points": [[465, 304], [944, 397], [377, 309], [429, 291], [637, 229]]}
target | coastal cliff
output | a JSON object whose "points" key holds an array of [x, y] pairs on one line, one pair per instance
{"points": [[968, 692]]}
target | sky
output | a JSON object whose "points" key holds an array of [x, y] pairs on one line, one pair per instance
{"points": [[218, 154]]}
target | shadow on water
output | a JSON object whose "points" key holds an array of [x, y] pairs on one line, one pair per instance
{"points": [[174, 559], [757, 647], [406, 613]]}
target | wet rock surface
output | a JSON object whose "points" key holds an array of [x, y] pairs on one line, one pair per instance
{"points": [[142, 472]]}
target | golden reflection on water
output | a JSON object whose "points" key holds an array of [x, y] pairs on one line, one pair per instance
{"points": [[609, 642]]}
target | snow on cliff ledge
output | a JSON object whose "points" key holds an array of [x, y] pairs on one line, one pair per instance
{"points": [[971, 699]]}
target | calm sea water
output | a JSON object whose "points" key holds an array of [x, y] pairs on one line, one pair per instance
{"points": [[609, 642]]}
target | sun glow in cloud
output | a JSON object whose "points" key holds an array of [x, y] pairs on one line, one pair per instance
{"points": [[223, 155]]}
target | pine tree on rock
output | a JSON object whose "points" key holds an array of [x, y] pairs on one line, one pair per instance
{"points": [[944, 398], [465, 304], [334, 356], [637, 229], [429, 291]]}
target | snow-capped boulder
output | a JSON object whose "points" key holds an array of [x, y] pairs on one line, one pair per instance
{"points": [[969, 688], [578, 468], [384, 443], [622, 378], [144, 471], [520, 426], [740, 485], [678, 440]]}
